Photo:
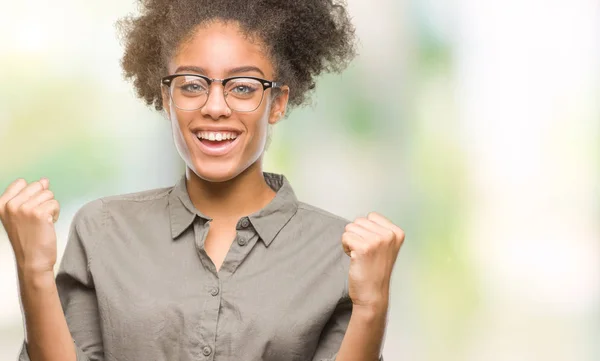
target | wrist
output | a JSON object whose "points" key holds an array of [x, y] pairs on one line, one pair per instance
{"points": [[35, 279], [370, 312], [377, 302], [33, 267]]}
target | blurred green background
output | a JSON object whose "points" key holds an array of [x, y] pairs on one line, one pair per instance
{"points": [[474, 125]]}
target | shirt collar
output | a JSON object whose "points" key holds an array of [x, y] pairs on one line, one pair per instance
{"points": [[181, 210], [267, 221]]}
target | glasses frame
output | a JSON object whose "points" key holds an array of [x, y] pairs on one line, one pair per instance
{"points": [[267, 84]]}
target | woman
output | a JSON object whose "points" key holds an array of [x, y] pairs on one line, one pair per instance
{"points": [[227, 264]]}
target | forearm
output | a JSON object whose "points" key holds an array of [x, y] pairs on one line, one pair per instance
{"points": [[46, 331], [364, 335]]}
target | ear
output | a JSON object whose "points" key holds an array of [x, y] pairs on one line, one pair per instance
{"points": [[279, 105], [166, 101]]}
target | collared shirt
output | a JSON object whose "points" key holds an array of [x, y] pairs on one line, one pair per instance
{"points": [[136, 284]]}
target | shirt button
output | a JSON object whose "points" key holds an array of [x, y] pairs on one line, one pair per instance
{"points": [[242, 242], [245, 222], [206, 350], [214, 291]]}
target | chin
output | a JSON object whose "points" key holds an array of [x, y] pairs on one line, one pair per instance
{"points": [[215, 171]]}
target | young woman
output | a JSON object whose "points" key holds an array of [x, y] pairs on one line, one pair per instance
{"points": [[227, 264]]}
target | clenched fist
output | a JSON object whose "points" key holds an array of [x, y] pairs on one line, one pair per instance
{"points": [[28, 213], [373, 244]]}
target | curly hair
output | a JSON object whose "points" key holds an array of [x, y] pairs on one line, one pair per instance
{"points": [[302, 38]]}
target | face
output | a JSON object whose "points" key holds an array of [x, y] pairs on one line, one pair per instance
{"points": [[220, 50]]}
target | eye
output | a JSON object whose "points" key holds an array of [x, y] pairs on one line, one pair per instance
{"points": [[243, 89], [192, 87]]}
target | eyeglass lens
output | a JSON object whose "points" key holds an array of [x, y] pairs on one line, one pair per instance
{"points": [[241, 94]]}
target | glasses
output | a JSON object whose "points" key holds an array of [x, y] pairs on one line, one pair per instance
{"points": [[243, 94]]}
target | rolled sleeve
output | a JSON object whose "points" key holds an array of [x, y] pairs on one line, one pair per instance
{"points": [[75, 286]]}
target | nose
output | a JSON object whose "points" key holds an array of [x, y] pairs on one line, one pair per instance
{"points": [[216, 107]]}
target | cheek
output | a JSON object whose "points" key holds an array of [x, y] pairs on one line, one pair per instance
{"points": [[261, 121], [179, 122], [258, 132]]}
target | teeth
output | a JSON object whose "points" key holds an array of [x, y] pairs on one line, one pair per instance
{"points": [[216, 136]]}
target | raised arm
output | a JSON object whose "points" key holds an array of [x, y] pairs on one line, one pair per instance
{"points": [[28, 213], [373, 244]]}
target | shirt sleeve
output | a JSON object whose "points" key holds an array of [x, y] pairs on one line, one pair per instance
{"points": [[76, 288], [334, 331]]}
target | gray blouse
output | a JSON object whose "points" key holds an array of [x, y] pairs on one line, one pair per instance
{"points": [[136, 284]]}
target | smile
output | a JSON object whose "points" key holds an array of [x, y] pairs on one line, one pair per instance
{"points": [[216, 144]]}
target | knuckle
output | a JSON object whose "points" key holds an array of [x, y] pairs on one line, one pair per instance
{"points": [[345, 240], [373, 215], [27, 211], [401, 234], [390, 235], [33, 185], [377, 238], [38, 214], [401, 240], [358, 249], [20, 182], [347, 237], [11, 207], [366, 249]]}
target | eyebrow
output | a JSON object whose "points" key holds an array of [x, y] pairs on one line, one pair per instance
{"points": [[238, 70]]}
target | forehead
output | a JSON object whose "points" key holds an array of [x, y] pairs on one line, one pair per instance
{"points": [[218, 47]]}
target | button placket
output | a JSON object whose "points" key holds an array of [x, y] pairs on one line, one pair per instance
{"points": [[242, 224], [242, 245], [200, 234], [207, 328]]}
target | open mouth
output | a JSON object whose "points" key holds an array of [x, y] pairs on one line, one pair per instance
{"points": [[217, 143]]}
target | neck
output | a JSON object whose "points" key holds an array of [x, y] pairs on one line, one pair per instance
{"points": [[230, 200]]}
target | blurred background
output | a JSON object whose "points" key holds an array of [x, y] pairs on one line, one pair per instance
{"points": [[474, 125]]}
